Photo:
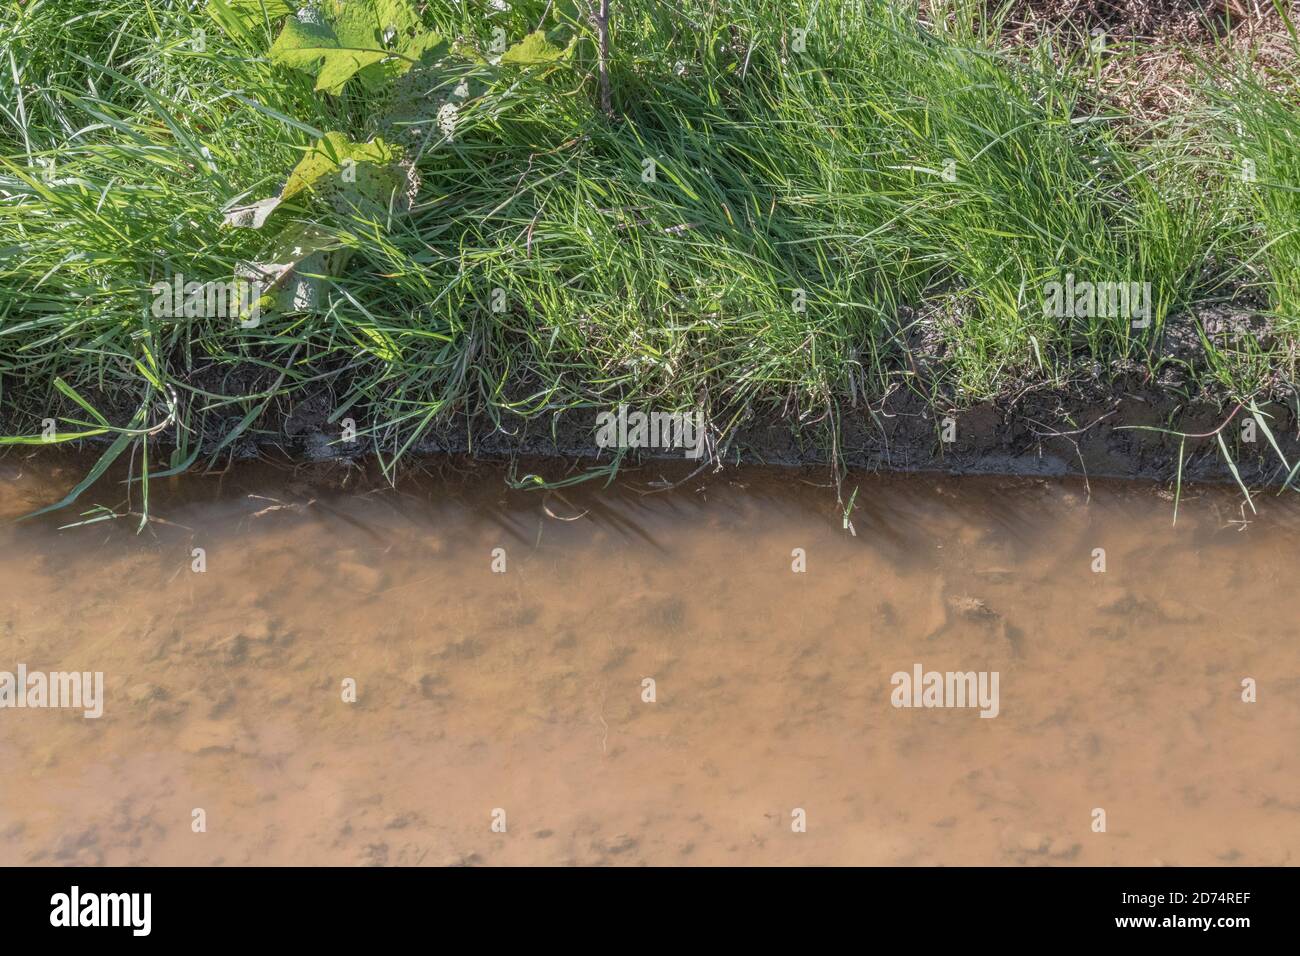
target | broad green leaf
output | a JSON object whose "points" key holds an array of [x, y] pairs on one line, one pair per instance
{"points": [[532, 50], [369, 178], [328, 156], [333, 55], [289, 269], [375, 40], [240, 16], [416, 47]]}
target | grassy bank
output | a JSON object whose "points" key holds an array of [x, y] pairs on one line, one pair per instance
{"points": [[785, 209]]}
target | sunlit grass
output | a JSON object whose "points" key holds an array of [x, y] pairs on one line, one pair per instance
{"points": [[801, 199]]}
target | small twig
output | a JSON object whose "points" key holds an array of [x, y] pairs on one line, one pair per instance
{"points": [[600, 18], [1077, 431]]}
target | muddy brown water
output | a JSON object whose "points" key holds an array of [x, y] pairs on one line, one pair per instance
{"points": [[484, 697]]}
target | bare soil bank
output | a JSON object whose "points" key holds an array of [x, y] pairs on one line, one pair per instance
{"points": [[1131, 428], [1097, 429], [1130, 420]]}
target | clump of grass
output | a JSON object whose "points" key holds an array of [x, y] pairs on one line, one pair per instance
{"points": [[747, 234], [1258, 129]]}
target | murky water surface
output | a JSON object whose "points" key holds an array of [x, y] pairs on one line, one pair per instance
{"points": [[518, 697]]}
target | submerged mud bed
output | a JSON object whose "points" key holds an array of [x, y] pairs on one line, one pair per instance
{"points": [[519, 695]]}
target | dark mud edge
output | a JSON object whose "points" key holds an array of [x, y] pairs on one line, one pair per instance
{"points": [[1116, 422], [1040, 432], [1103, 430]]}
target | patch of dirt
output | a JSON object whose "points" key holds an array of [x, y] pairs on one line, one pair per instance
{"points": [[1094, 427], [1150, 68], [1121, 421], [1179, 20]]}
